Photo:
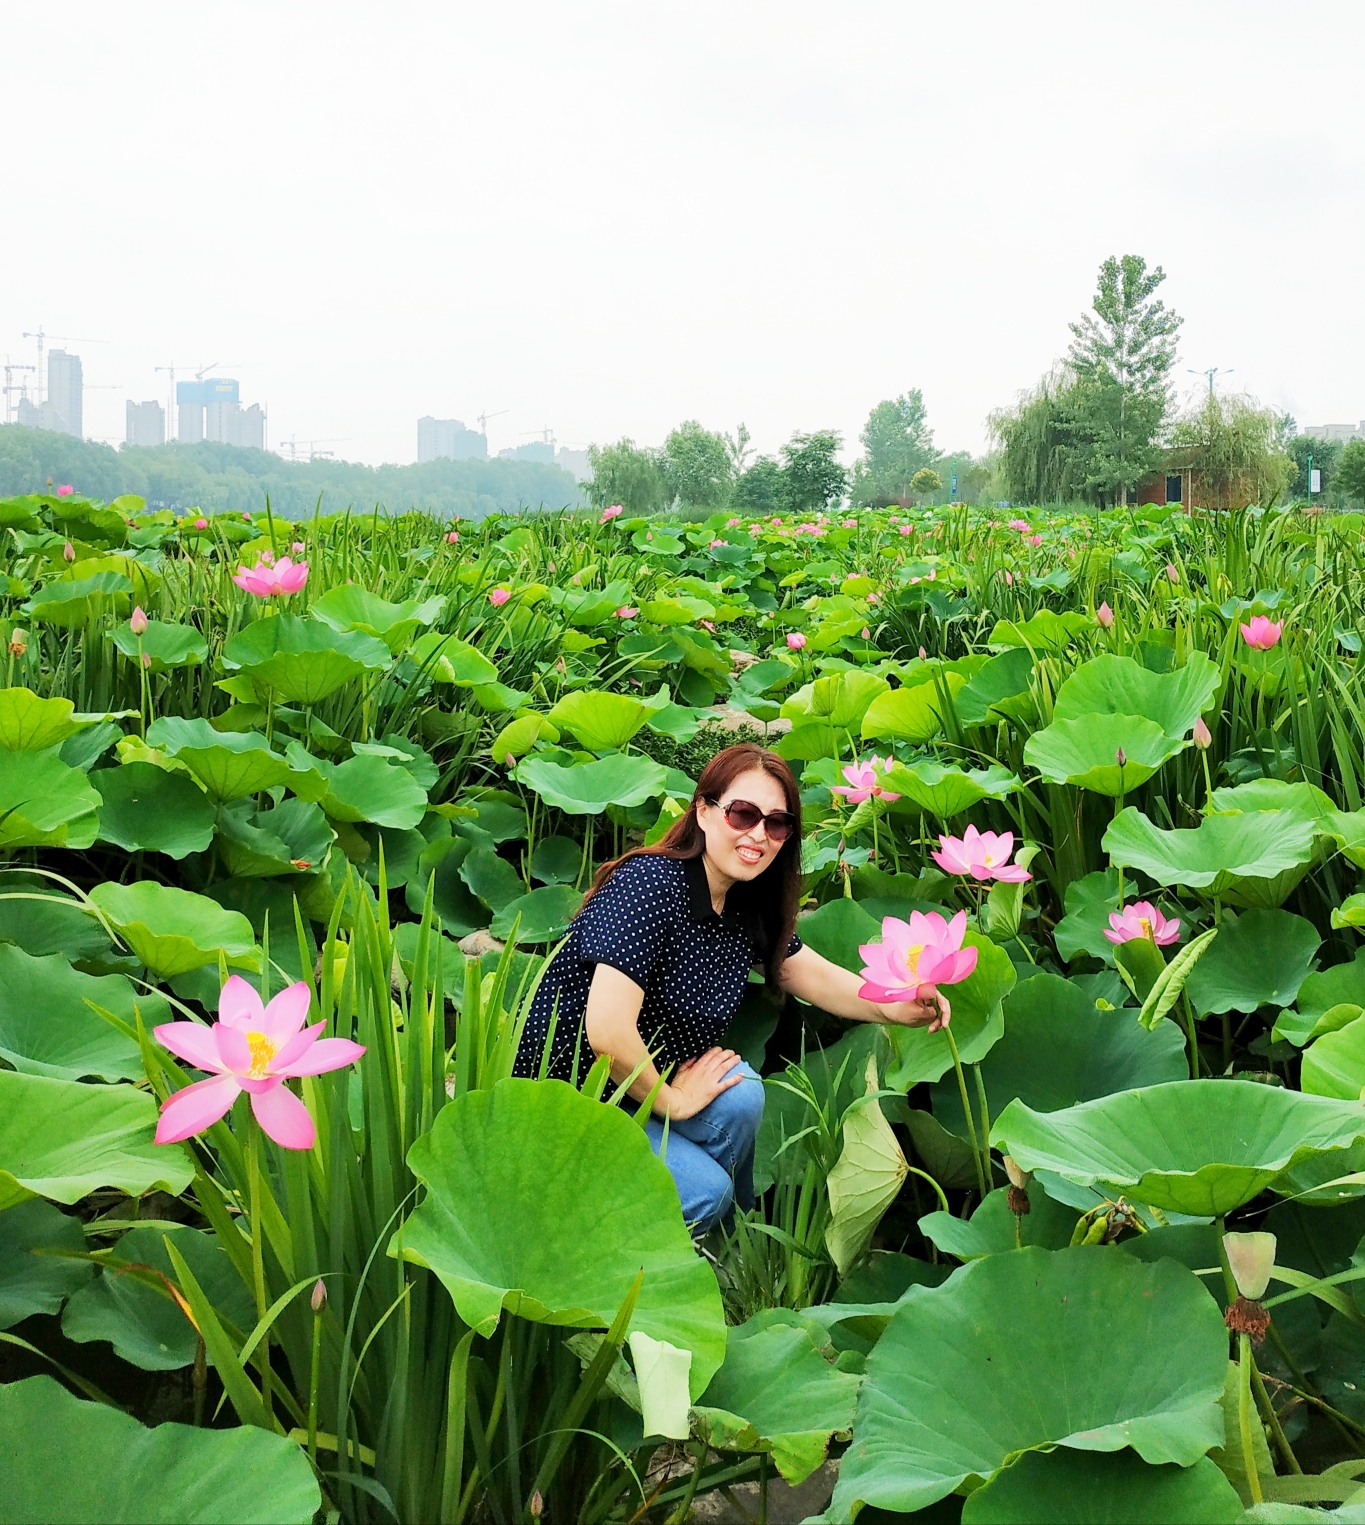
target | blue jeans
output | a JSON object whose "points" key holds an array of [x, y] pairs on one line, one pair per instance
{"points": [[711, 1155]]}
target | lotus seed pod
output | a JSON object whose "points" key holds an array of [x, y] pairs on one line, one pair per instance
{"points": [[1018, 1177], [1252, 1258], [18, 641]]}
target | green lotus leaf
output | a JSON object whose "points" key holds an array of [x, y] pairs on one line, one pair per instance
{"points": [[1094, 1488], [39, 918], [172, 930], [47, 1026], [599, 721], [491, 878], [303, 660], [401, 851], [588, 788], [557, 860], [447, 659], [147, 809], [1029, 1350], [911, 714], [459, 912], [1253, 859], [497, 817], [865, 1180], [945, 792], [1089, 903], [1114, 685], [1334, 1064], [1327, 1000], [1002, 687], [545, 914], [36, 1273], [44, 803], [776, 1394], [1059, 1049], [229, 764], [1045, 632], [838, 929], [518, 737], [79, 600], [1259, 958], [353, 608], [63, 1140], [364, 788], [168, 645], [512, 1229], [143, 1323], [992, 1229], [171, 1474], [841, 700], [1200, 1147], [977, 1024], [31, 724], [682, 610], [293, 838], [1084, 752]]}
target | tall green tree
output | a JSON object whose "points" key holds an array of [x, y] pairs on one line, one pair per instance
{"points": [[1235, 447], [897, 442], [1125, 347], [760, 488], [1326, 455], [699, 465], [1350, 474], [634, 477], [812, 477]]}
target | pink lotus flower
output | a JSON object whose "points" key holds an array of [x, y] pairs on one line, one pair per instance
{"points": [[1172, 572], [905, 529], [915, 957], [453, 537], [498, 597], [137, 623], [795, 640], [65, 491], [982, 854], [1262, 633], [1105, 615], [1022, 525], [731, 523], [1009, 578], [862, 782], [201, 524], [246, 516], [250, 1048], [267, 581], [626, 612], [850, 524], [614, 512], [707, 626], [715, 543], [1034, 540], [1141, 919]]}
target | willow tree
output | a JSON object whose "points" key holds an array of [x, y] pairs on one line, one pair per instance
{"points": [[1234, 448]]}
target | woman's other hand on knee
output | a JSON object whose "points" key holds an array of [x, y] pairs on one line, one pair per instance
{"points": [[698, 1082]]}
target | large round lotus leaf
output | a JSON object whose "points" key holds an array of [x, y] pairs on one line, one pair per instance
{"points": [[1327, 1000], [556, 860], [168, 645], [368, 788], [1252, 859], [37, 917], [776, 1393], [1193, 1146], [293, 838], [173, 931], [544, 914], [1113, 685], [588, 788], [47, 1027], [1044, 632], [1085, 1488], [31, 724], [147, 809], [946, 792], [303, 660], [557, 1228], [1085, 752], [62, 1140], [910, 714], [600, 721], [841, 700], [491, 878], [917, 1054], [79, 600], [1060, 1049], [229, 764], [143, 1323], [1259, 958], [1032, 1349], [43, 803], [70, 1461], [459, 912], [447, 659], [36, 1273], [353, 608], [1334, 1064]]}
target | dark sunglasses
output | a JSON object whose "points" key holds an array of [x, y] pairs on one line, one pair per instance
{"points": [[744, 815]]}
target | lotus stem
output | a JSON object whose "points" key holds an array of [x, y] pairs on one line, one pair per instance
{"points": [[1244, 1405], [1272, 1419], [967, 1111], [314, 1373], [253, 1176], [985, 1125], [1194, 1039]]}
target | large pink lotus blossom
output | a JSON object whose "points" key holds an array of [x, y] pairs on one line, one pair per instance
{"points": [[914, 957], [1022, 525], [614, 512], [1142, 919], [273, 581], [250, 1048], [1262, 633], [65, 491], [498, 597], [862, 780], [982, 854]]}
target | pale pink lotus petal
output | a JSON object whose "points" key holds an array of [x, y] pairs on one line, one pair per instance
{"points": [[885, 995], [1011, 874], [284, 1117], [233, 1049], [239, 1004], [326, 1054], [287, 1012], [294, 1048], [853, 796], [195, 1108], [192, 1043]]}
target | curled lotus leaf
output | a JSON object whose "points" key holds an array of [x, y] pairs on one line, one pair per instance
{"points": [[1084, 752], [303, 660], [599, 721], [172, 930], [44, 803], [1115, 685], [588, 788]]}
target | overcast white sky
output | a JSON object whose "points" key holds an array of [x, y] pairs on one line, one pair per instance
{"points": [[608, 217]]}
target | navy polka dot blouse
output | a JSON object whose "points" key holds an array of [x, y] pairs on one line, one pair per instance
{"points": [[654, 921]]}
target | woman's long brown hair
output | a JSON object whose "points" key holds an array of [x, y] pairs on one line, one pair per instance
{"points": [[766, 905]]}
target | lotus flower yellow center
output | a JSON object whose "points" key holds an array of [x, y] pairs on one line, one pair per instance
{"points": [[912, 956], [1146, 925], [262, 1052]]}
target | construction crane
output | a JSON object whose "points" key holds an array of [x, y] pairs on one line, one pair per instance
{"points": [[293, 444], [170, 398], [484, 417], [42, 339], [22, 388]]}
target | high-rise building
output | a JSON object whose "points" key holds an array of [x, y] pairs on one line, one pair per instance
{"points": [[575, 462], [65, 390], [227, 422], [448, 439], [537, 450], [189, 409], [39, 415], [146, 423]]}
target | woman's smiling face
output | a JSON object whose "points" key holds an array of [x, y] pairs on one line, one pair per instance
{"points": [[742, 855]]}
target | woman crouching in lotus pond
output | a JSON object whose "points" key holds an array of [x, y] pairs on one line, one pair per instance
{"points": [[655, 966]]}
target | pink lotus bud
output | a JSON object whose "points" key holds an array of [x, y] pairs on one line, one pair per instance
{"points": [[1203, 738], [201, 524], [866, 634], [68, 552], [922, 653], [319, 1296], [795, 640], [146, 661], [1105, 615], [1121, 758], [246, 516], [1172, 572], [296, 547], [65, 491], [498, 597], [138, 622], [453, 537]]}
